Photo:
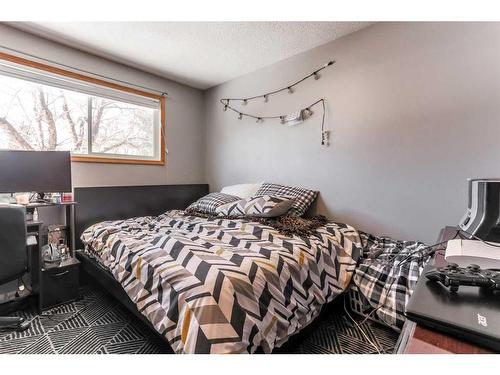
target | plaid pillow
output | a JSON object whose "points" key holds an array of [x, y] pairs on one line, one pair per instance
{"points": [[303, 197], [210, 202], [258, 206]]}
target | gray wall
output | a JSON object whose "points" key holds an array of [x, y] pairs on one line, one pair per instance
{"points": [[184, 118], [413, 110]]}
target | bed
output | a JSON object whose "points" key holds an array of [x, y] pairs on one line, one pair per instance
{"points": [[211, 285]]}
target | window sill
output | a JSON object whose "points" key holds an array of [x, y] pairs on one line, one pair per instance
{"points": [[94, 159]]}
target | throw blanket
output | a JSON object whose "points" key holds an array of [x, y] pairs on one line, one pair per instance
{"points": [[387, 273], [287, 224], [212, 285]]}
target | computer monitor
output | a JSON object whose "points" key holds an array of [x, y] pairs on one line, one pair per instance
{"points": [[35, 171], [482, 218]]}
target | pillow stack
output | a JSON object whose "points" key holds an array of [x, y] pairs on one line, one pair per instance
{"points": [[256, 200]]}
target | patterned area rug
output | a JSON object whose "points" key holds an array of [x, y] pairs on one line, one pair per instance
{"points": [[98, 324]]}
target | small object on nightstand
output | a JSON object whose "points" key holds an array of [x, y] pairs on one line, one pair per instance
{"points": [[67, 197], [56, 235], [452, 276], [56, 198], [7, 198], [51, 256], [465, 321], [22, 198]]}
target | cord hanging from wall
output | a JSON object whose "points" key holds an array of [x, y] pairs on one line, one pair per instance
{"points": [[290, 119]]}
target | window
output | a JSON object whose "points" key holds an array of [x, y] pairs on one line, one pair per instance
{"points": [[45, 108]]}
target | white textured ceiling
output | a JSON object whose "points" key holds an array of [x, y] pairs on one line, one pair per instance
{"points": [[199, 54]]}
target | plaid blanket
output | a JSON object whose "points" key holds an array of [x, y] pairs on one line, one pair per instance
{"points": [[387, 273]]}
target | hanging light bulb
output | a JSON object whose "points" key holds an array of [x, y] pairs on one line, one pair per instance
{"points": [[325, 138], [290, 90], [316, 76], [266, 98], [240, 116], [225, 108], [282, 118], [308, 112], [244, 102], [259, 119]]}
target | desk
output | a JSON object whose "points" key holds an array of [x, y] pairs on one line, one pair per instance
{"points": [[416, 339]]}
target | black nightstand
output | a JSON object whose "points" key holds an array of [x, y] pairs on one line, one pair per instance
{"points": [[59, 284]]}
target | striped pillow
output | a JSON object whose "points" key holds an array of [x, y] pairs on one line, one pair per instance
{"points": [[303, 197], [258, 206]]}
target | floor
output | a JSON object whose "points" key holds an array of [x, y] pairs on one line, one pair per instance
{"points": [[98, 324]]}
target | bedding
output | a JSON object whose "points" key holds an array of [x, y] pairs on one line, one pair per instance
{"points": [[303, 197], [258, 206], [209, 203], [216, 285], [387, 273]]}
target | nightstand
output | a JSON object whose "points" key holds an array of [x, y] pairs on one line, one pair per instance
{"points": [[416, 339], [59, 284]]}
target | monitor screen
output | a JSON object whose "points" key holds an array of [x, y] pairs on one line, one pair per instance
{"points": [[35, 171]]}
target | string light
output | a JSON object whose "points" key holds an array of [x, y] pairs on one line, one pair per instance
{"points": [[289, 88], [304, 113], [325, 137]]}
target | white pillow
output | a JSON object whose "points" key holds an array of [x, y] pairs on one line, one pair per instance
{"points": [[243, 191]]}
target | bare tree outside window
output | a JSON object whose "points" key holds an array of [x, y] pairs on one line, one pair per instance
{"points": [[45, 118]]}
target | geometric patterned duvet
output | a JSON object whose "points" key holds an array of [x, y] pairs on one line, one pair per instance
{"points": [[224, 286]]}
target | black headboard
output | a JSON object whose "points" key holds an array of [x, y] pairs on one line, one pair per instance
{"points": [[95, 204]]}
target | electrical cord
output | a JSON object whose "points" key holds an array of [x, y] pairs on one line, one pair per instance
{"points": [[377, 348], [492, 244]]}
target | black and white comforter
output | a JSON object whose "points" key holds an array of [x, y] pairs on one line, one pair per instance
{"points": [[224, 285]]}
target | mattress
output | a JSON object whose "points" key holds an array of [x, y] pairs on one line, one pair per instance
{"points": [[224, 285]]}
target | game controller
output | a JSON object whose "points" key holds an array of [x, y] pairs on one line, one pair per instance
{"points": [[453, 276]]}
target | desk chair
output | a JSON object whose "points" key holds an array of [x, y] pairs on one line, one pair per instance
{"points": [[13, 254]]}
